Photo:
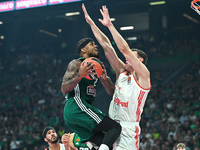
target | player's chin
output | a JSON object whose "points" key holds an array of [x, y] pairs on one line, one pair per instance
{"points": [[96, 54], [54, 140]]}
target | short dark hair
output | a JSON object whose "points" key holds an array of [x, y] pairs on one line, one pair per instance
{"points": [[46, 130], [141, 54], [82, 43]]}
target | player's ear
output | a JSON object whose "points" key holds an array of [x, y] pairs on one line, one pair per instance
{"points": [[45, 139], [83, 50], [141, 59]]}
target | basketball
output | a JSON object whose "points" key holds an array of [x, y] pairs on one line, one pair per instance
{"points": [[97, 64]]}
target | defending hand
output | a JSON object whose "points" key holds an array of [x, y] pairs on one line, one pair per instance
{"points": [[87, 17], [106, 18]]}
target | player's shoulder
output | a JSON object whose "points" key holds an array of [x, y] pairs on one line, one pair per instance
{"points": [[74, 62]]}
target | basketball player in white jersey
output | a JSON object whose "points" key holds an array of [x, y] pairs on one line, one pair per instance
{"points": [[132, 85]]}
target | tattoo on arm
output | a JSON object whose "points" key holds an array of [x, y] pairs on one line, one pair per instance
{"points": [[108, 85], [71, 77]]}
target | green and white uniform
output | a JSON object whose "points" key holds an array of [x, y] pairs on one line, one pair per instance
{"points": [[81, 146], [79, 114]]}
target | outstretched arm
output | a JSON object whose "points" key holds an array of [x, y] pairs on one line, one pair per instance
{"points": [[110, 53], [124, 48], [121, 43]]}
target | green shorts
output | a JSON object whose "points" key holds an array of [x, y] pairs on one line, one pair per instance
{"points": [[81, 117]]}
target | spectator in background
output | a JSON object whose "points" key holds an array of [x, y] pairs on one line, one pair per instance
{"points": [[189, 138], [171, 141], [177, 124], [192, 117], [183, 117], [15, 144], [143, 143], [172, 133], [186, 126]]}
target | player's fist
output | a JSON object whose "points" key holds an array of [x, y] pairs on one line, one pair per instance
{"points": [[65, 139]]}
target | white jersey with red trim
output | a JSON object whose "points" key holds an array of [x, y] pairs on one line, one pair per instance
{"points": [[128, 99], [62, 147]]}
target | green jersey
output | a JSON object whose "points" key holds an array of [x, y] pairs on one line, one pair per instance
{"points": [[79, 114], [86, 88]]}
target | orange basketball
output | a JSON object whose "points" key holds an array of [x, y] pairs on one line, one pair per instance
{"points": [[97, 64]]}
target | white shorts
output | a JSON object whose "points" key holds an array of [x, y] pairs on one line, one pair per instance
{"points": [[129, 137]]}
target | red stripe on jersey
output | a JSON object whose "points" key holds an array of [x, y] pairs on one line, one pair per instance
{"points": [[138, 112], [137, 137]]}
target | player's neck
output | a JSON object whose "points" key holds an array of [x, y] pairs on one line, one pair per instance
{"points": [[129, 72], [54, 146]]}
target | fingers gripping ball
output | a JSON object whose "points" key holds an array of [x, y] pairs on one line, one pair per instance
{"points": [[97, 64]]}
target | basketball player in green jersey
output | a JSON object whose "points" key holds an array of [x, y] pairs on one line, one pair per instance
{"points": [[79, 114]]}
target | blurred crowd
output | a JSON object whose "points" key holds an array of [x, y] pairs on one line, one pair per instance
{"points": [[31, 99]]}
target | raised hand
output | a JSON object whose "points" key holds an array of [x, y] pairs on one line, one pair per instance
{"points": [[87, 17], [106, 18]]}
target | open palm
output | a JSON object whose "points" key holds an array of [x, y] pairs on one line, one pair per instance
{"points": [[87, 17], [106, 18]]}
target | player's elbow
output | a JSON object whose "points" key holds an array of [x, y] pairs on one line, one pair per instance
{"points": [[111, 92], [64, 89], [106, 46], [123, 49]]}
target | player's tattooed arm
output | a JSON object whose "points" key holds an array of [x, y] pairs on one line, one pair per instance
{"points": [[106, 81], [74, 73], [108, 85], [71, 76]]}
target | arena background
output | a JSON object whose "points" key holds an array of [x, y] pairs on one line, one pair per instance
{"points": [[36, 44]]}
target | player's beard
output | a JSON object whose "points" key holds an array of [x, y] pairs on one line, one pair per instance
{"points": [[94, 55], [53, 141]]}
